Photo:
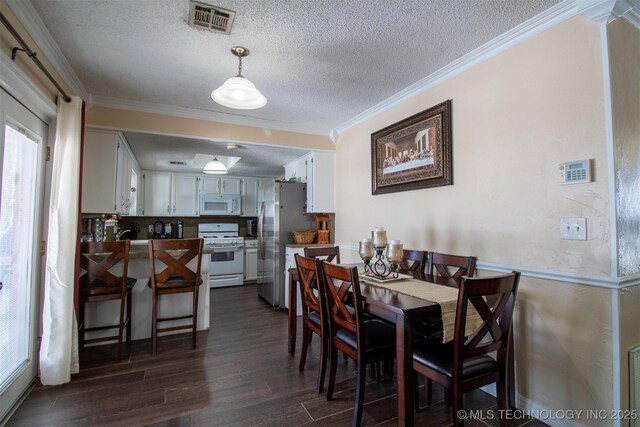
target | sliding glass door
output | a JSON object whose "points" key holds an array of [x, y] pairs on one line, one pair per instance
{"points": [[22, 148]]}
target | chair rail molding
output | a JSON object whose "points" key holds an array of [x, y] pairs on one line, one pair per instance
{"points": [[616, 283]]}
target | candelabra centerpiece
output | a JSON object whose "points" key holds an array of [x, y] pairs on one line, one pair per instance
{"points": [[375, 247]]}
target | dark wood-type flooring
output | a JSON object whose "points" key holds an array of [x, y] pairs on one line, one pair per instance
{"points": [[240, 375]]}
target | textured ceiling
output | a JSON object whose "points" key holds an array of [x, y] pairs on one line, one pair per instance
{"points": [[154, 152], [318, 62]]}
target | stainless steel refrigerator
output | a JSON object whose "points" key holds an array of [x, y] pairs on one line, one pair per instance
{"points": [[281, 210]]}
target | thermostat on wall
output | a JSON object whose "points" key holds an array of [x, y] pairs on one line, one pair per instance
{"points": [[575, 172]]}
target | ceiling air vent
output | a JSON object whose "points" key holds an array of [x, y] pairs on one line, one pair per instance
{"points": [[177, 162], [212, 18]]}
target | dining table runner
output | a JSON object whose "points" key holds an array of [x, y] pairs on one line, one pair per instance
{"points": [[445, 296]]}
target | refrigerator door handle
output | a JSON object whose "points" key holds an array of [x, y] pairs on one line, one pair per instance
{"points": [[261, 244]]}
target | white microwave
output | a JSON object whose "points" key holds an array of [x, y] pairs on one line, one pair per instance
{"points": [[219, 204]]}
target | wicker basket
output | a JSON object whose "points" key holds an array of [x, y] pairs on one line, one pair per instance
{"points": [[303, 237]]}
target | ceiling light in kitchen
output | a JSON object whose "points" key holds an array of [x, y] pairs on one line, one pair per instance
{"points": [[215, 167], [238, 92]]}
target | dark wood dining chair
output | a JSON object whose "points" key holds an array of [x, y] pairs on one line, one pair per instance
{"points": [[313, 313], [180, 275], [466, 363], [365, 341], [453, 266], [325, 253], [99, 284], [413, 263], [445, 265]]}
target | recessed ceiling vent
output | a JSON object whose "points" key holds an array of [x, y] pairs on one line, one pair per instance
{"points": [[212, 18], [177, 162]]}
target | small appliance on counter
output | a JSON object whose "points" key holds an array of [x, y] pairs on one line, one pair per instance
{"points": [[162, 230], [179, 229], [130, 232], [252, 227]]}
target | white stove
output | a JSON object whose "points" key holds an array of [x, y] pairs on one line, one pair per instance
{"points": [[226, 266]]}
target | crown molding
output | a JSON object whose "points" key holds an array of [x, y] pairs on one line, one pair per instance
{"points": [[26, 13], [14, 81], [545, 20], [633, 15], [604, 11], [193, 113]]}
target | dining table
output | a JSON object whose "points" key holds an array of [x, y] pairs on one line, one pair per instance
{"points": [[404, 311]]}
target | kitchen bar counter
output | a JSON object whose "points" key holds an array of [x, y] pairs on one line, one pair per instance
{"points": [[107, 312], [308, 245]]}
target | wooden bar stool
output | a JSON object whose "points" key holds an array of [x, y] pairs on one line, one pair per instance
{"points": [[176, 277], [99, 284]]}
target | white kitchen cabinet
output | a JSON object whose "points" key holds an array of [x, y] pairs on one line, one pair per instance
{"points": [[106, 173], [170, 194], [296, 170], [185, 194], [320, 182], [290, 262], [250, 260], [249, 196], [316, 169], [157, 194], [221, 185]]}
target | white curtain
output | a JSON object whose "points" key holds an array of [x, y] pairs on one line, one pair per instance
{"points": [[59, 349]]}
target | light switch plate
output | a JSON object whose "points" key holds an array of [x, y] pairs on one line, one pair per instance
{"points": [[573, 228]]}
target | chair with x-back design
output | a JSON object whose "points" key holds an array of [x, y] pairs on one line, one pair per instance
{"points": [[313, 313], [453, 266], [364, 340], [182, 258], [413, 263], [325, 253], [473, 361], [99, 283]]}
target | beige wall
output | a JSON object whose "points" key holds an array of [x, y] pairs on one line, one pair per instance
{"points": [[173, 125], [515, 117], [563, 346]]}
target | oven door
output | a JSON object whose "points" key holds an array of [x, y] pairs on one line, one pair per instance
{"points": [[226, 260]]}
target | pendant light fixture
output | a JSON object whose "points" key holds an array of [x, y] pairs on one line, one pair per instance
{"points": [[215, 167], [238, 92]]}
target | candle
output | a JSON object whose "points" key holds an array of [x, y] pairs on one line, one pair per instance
{"points": [[379, 237], [394, 252], [365, 249]]}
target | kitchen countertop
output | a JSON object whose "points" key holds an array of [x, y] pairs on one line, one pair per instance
{"points": [[140, 249], [308, 245]]}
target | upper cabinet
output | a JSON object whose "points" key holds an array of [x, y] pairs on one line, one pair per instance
{"points": [[178, 194], [157, 194], [250, 195], [221, 185], [169, 194], [110, 174], [316, 169], [296, 170]]}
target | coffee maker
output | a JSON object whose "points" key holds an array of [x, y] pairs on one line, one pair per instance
{"points": [[162, 230]]}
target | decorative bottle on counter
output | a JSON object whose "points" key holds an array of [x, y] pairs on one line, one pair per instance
{"points": [[179, 231]]}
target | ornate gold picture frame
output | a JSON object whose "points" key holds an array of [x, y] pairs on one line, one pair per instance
{"points": [[413, 153]]}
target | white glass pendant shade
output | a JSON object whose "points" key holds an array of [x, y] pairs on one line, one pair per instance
{"points": [[238, 92], [215, 167]]}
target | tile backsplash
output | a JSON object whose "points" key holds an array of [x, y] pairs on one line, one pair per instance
{"points": [[190, 224]]}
